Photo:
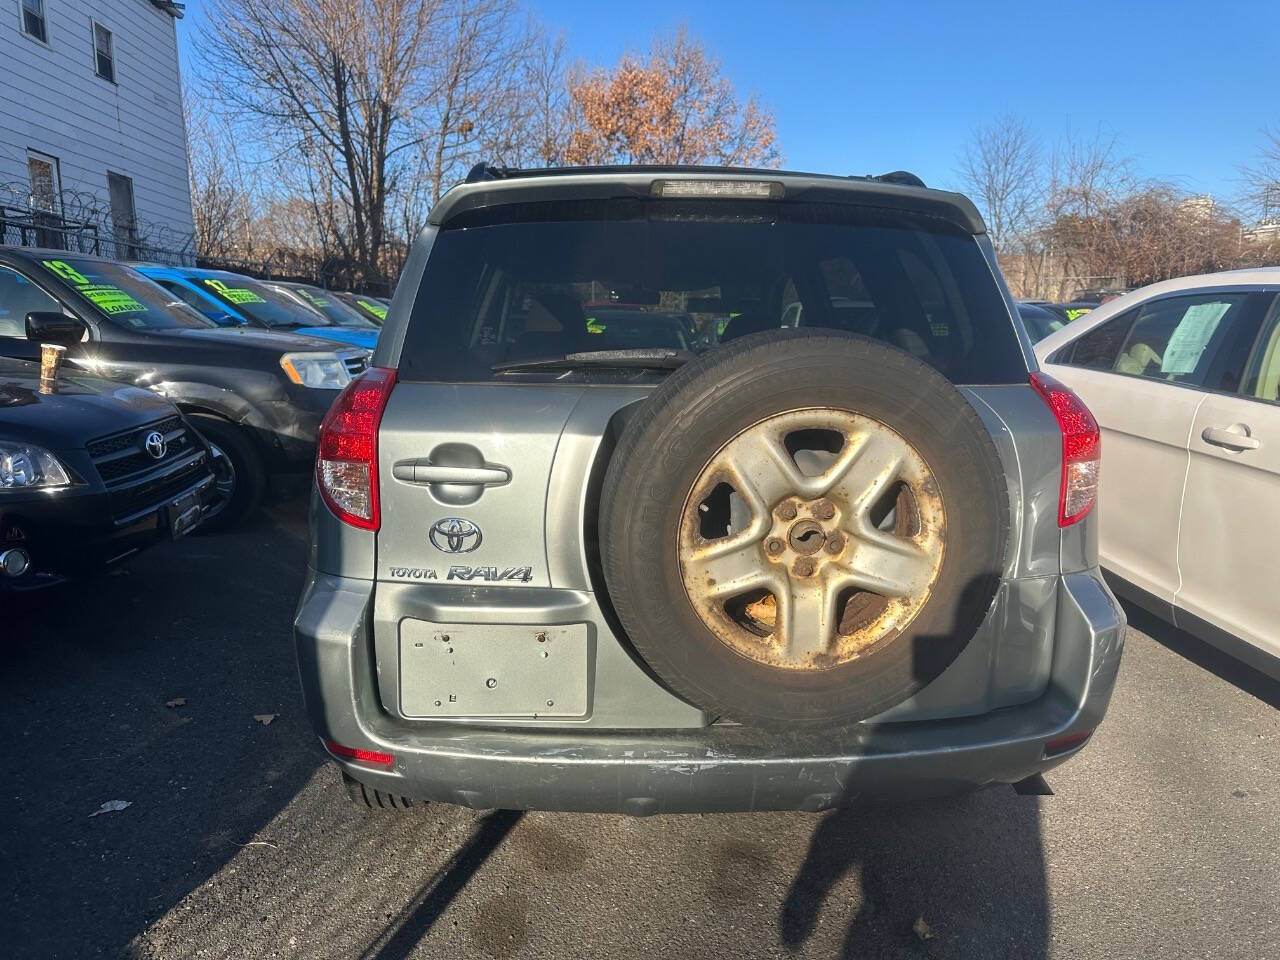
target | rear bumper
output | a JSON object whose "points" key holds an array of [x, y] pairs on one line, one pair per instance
{"points": [[718, 768]]}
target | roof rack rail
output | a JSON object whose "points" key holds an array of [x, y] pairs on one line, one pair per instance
{"points": [[484, 171], [903, 178]]}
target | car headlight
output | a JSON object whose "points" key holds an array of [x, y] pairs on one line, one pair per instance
{"points": [[26, 467], [324, 371]]}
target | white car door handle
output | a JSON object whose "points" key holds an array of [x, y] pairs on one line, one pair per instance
{"points": [[1234, 437]]}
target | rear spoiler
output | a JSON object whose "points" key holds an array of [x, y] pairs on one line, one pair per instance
{"points": [[487, 186]]}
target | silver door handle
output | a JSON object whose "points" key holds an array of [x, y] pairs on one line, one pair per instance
{"points": [[1234, 437], [424, 471]]}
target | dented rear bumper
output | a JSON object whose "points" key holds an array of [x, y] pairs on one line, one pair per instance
{"points": [[714, 768]]}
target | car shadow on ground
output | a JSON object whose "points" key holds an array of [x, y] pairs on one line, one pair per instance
{"points": [[1204, 655], [957, 877], [142, 685]]}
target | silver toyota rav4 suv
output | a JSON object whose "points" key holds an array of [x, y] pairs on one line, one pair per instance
{"points": [[699, 489]]}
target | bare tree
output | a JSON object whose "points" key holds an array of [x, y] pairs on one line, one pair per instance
{"points": [[477, 98], [1002, 170], [1262, 180], [224, 194], [336, 81]]}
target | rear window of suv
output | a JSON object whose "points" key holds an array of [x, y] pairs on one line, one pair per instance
{"points": [[532, 281]]}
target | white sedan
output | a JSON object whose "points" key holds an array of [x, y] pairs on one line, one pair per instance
{"points": [[1184, 379]]}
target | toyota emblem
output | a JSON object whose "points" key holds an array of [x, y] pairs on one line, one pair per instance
{"points": [[455, 535], [155, 445]]}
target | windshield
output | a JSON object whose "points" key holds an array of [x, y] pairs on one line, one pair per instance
{"points": [[259, 302], [1038, 321], [541, 280], [333, 309], [124, 296]]}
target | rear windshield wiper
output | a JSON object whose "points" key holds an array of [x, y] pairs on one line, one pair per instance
{"points": [[642, 358]]}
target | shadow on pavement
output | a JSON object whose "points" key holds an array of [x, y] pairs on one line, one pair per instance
{"points": [[960, 877], [1207, 657], [417, 917], [86, 671]]}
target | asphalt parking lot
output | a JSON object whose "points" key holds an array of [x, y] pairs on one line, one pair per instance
{"points": [[1161, 839]]}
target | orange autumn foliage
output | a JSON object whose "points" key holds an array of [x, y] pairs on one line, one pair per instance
{"points": [[673, 106]]}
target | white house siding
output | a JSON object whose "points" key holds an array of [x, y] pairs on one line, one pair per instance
{"points": [[52, 101]]}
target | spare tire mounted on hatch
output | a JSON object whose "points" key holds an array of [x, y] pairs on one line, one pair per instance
{"points": [[803, 527]]}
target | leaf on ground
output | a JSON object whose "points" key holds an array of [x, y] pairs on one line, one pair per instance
{"points": [[265, 718], [112, 806], [922, 929], [176, 702]]}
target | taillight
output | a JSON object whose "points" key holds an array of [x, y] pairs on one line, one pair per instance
{"points": [[1081, 448], [347, 448], [374, 758], [1069, 742]]}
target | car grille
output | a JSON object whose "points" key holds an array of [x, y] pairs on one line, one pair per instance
{"points": [[356, 363], [124, 456], [130, 501], [134, 477]]}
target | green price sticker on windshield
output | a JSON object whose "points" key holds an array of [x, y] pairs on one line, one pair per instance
{"points": [[108, 298], [234, 294], [377, 309], [111, 300], [595, 326], [313, 299]]}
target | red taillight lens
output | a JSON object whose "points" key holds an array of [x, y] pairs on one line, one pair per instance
{"points": [[371, 757], [1081, 448], [1069, 742], [347, 448]]}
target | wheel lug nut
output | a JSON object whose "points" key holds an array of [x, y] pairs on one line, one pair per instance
{"points": [[803, 567], [835, 543], [787, 511], [824, 509], [774, 546]]}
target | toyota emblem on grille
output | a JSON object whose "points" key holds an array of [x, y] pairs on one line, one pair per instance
{"points": [[455, 535], [154, 444]]}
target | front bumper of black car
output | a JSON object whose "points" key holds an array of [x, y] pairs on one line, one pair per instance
{"points": [[74, 530]]}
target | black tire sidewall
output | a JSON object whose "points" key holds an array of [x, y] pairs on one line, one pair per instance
{"points": [[664, 449], [250, 475]]}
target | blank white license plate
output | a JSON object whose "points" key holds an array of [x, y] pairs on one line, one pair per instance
{"points": [[492, 670]]}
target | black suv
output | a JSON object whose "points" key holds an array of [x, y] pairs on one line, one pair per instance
{"points": [[257, 396]]}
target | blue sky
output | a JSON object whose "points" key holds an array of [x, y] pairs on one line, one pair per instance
{"points": [[868, 87]]}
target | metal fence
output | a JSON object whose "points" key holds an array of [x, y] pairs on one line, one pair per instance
{"points": [[26, 227], [80, 222]]}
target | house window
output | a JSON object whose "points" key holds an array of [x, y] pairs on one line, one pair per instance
{"points": [[104, 55], [46, 185], [33, 20]]}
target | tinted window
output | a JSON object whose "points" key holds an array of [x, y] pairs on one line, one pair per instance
{"points": [[207, 307], [1190, 340], [18, 297], [1262, 380], [122, 295], [1038, 321], [333, 309], [541, 280], [259, 302]]}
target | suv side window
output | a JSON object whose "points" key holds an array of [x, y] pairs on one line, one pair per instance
{"points": [[203, 305], [18, 297], [1262, 379], [1188, 340]]}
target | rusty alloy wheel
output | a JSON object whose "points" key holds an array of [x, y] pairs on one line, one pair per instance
{"points": [[831, 542]]}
